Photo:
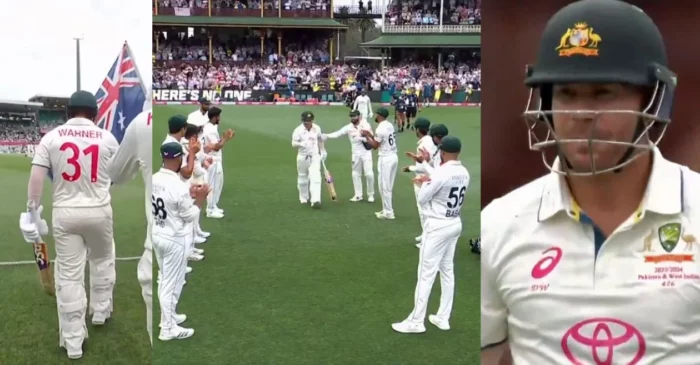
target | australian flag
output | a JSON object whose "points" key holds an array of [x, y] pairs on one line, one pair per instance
{"points": [[121, 96]]}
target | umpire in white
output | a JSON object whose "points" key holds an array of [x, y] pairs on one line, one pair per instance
{"points": [[441, 197], [173, 213]]}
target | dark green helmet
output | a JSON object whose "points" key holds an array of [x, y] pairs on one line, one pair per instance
{"points": [[600, 42], [82, 99]]}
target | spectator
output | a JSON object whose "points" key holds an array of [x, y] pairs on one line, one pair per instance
{"points": [[427, 12]]}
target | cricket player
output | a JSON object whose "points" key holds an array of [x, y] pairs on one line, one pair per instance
{"points": [[77, 153], [425, 143], [363, 105], [595, 253], [199, 169], [441, 197], [361, 155], [173, 213], [200, 116], [427, 159], [134, 154], [411, 106], [384, 140], [308, 140], [213, 143]]}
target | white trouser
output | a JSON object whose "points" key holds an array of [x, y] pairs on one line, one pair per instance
{"points": [[170, 252], [82, 234], [386, 166], [309, 177], [416, 189], [215, 174], [362, 164], [437, 254], [364, 113], [145, 275]]}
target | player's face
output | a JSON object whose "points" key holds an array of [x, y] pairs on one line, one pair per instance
{"points": [[597, 98], [308, 124], [205, 107], [436, 140], [354, 120]]}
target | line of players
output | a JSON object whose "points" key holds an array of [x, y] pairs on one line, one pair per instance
{"points": [[440, 186], [191, 177]]}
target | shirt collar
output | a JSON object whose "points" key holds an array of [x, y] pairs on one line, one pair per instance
{"points": [[168, 172], [79, 121], [663, 195]]}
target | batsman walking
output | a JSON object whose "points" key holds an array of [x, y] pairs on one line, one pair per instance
{"points": [[77, 154], [308, 139]]}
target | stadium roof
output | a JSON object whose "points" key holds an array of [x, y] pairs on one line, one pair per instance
{"points": [[38, 97], [424, 41], [19, 106]]}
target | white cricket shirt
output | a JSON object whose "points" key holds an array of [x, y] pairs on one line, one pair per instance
{"points": [[307, 141], [77, 153], [210, 133], [363, 104], [386, 136], [442, 197], [197, 118], [561, 293], [199, 158], [424, 143], [173, 210], [134, 154], [356, 139]]}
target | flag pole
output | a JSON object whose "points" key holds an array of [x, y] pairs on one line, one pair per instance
{"points": [[136, 68], [77, 62]]}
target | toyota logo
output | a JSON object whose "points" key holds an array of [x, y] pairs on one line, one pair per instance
{"points": [[603, 341]]}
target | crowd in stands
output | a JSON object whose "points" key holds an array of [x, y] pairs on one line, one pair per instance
{"points": [[248, 4], [427, 12], [267, 76], [241, 49], [15, 131]]}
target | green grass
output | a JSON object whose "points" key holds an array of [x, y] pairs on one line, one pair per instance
{"points": [[28, 319], [283, 284]]}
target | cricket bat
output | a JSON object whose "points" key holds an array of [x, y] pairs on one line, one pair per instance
{"points": [[329, 182], [41, 256]]}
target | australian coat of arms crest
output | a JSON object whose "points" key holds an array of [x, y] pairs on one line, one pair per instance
{"points": [[579, 40]]}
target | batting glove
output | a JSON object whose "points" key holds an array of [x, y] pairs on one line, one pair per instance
{"points": [[324, 155], [31, 230]]}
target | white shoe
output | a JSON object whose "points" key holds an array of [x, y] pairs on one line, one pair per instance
{"points": [[195, 257], [418, 245], [408, 327], [356, 199], [214, 214], [437, 322], [315, 205], [219, 210], [199, 240], [198, 251], [302, 201], [176, 333], [99, 318], [382, 215], [370, 199], [419, 239], [75, 354], [188, 270], [179, 318], [203, 234]]}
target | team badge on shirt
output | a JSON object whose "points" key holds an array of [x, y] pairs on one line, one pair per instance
{"points": [[669, 234]]}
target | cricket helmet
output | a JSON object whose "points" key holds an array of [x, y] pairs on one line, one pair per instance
{"points": [[599, 42]]}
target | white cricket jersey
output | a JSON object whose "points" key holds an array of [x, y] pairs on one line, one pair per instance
{"points": [[426, 143], [561, 293], [173, 209], [356, 139], [386, 136], [171, 139], [363, 104], [197, 118], [210, 133], [77, 153], [134, 154], [443, 196], [198, 158], [307, 141]]}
